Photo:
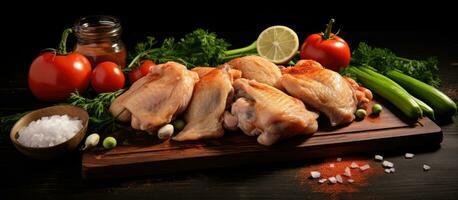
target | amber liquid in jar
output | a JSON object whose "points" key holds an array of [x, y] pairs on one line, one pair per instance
{"points": [[99, 39]]}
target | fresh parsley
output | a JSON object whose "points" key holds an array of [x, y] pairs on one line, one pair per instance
{"points": [[198, 48], [385, 60]]}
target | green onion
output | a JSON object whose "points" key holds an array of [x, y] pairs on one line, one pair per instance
{"points": [[441, 103], [399, 98], [427, 110]]}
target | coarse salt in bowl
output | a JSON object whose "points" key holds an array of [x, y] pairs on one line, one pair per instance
{"points": [[50, 132]]}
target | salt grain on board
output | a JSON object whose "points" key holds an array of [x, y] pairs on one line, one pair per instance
{"points": [[364, 167], [387, 164], [315, 174], [350, 180], [409, 155], [426, 167], [49, 131], [392, 170], [387, 171], [354, 165], [332, 180], [378, 157], [347, 172], [339, 179], [339, 159], [323, 180]]}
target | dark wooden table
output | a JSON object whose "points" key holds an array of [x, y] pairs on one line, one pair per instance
{"points": [[23, 178]]}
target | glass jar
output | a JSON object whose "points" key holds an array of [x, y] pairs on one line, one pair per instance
{"points": [[99, 39]]}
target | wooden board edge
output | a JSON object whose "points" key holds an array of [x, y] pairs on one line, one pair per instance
{"points": [[431, 138]]}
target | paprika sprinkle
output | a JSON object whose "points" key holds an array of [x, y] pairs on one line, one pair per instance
{"points": [[358, 178]]}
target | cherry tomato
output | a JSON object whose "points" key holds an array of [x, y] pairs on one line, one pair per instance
{"points": [[53, 77], [328, 49], [107, 77], [141, 71]]}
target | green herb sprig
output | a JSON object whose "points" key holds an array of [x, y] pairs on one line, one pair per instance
{"points": [[7, 122], [98, 109], [385, 60], [198, 48]]}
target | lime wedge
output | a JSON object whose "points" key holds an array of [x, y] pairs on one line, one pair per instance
{"points": [[279, 44]]}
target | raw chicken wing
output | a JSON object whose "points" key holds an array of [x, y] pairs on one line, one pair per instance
{"points": [[322, 89], [157, 98], [204, 115], [270, 114], [257, 68]]}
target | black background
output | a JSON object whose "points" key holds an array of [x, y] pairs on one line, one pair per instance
{"points": [[410, 28], [29, 27]]}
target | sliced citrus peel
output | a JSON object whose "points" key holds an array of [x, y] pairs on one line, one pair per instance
{"points": [[279, 44]]}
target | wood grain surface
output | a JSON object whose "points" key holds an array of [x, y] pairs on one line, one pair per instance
{"points": [[145, 155]]}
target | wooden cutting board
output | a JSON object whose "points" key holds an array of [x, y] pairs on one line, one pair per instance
{"points": [[140, 154]]}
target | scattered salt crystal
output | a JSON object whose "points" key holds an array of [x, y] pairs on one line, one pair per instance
{"points": [[339, 159], [354, 165], [49, 131], [332, 180], [347, 172], [378, 157], [364, 167], [331, 165], [323, 180], [409, 155], [351, 180], [392, 170], [339, 179], [315, 174], [387, 164], [387, 171], [426, 167]]}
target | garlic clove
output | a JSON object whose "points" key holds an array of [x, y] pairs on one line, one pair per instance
{"points": [[91, 141], [165, 132]]}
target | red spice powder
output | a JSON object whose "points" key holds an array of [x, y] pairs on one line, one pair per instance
{"points": [[360, 177]]}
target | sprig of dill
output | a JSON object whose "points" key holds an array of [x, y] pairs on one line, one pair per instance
{"points": [[7, 122], [98, 109]]}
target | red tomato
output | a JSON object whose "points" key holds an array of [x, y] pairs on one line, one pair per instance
{"points": [[53, 77], [107, 77], [331, 51], [141, 71]]}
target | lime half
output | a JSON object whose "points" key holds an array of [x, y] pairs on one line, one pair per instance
{"points": [[279, 44]]}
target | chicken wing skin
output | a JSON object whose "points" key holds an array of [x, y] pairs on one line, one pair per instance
{"points": [[257, 68], [158, 97], [264, 111], [117, 108], [363, 95], [322, 89], [204, 115], [202, 71]]}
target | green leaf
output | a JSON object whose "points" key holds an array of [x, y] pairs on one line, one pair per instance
{"points": [[384, 60], [198, 48], [98, 109]]}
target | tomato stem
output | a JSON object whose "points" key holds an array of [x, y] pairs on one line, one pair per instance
{"points": [[327, 33], [62, 50]]}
